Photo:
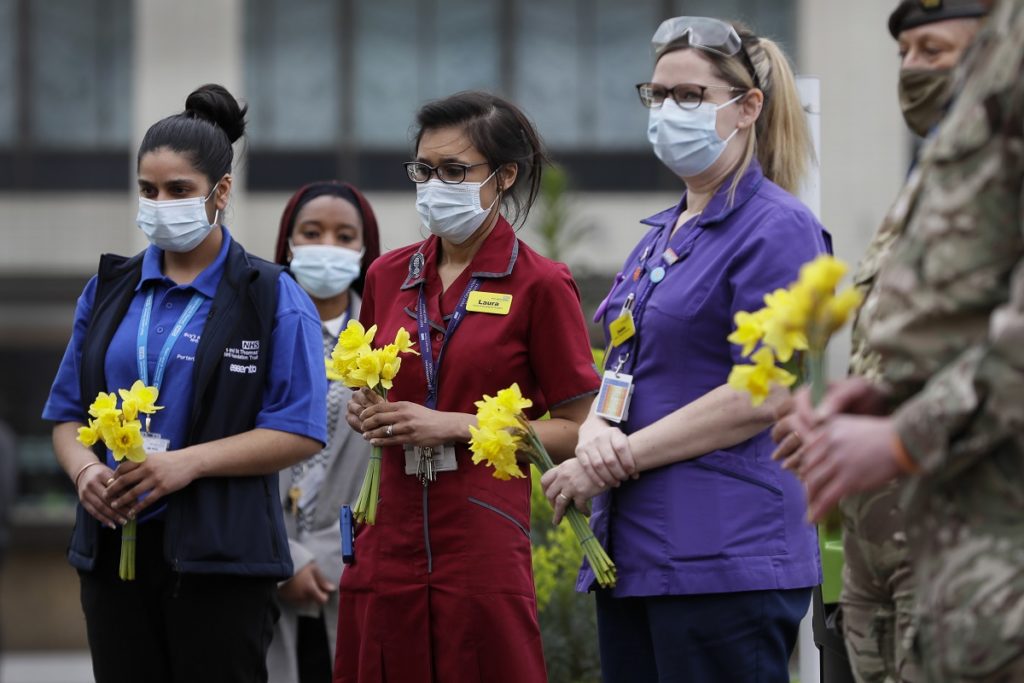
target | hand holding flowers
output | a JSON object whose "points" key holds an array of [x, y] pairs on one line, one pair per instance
{"points": [[120, 430], [360, 366], [502, 433]]}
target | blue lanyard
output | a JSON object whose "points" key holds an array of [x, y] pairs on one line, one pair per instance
{"points": [[172, 338], [426, 348], [626, 350]]}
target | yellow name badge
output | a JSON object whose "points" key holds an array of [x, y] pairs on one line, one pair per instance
{"points": [[622, 328], [489, 302]]}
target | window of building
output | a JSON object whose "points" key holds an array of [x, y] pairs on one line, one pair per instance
{"points": [[334, 87], [8, 52], [65, 94]]}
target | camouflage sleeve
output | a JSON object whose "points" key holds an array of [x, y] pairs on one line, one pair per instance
{"points": [[976, 403]]}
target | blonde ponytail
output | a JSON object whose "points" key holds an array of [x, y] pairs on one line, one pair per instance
{"points": [[783, 140]]}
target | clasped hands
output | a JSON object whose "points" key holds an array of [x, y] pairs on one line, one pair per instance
{"points": [[603, 459], [115, 496], [843, 446]]}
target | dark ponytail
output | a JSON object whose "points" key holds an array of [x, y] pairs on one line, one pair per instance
{"points": [[211, 123], [501, 132]]}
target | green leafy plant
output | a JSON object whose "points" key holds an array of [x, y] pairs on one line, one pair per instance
{"points": [[568, 622], [557, 228]]}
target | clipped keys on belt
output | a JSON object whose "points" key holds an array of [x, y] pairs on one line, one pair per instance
{"points": [[425, 469]]}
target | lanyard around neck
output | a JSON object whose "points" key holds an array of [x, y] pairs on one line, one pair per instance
{"points": [[431, 368], [636, 302], [172, 338]]}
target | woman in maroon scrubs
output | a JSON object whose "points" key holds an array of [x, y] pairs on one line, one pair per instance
{"points": [[442, 587]]}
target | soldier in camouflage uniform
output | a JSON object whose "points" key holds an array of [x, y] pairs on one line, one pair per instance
{"points": [[877, 599], [946, 318]]}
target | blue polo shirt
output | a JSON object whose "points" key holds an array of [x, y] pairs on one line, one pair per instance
{"points": [[294, 397]]}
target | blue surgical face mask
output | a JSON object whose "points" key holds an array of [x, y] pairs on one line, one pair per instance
{"points": [[178, 225], [324, 270], [687, 140], [452, 212]]}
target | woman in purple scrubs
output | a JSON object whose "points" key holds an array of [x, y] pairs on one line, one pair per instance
{"points": [[715, 559]]}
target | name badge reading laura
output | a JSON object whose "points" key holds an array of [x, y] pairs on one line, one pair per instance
{"points": [[489, 302]]}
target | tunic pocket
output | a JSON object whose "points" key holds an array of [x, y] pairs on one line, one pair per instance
{"points": [[750, 504]]}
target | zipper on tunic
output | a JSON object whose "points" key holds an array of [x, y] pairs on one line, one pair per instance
{"points": [[426, 529]]}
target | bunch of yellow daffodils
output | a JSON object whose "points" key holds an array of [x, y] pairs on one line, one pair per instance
{"points": [[501, 433], [120, 430], [801, 318], [358, 365]]}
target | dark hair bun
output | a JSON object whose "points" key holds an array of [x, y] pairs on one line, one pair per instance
{"points": [[215, 104]]}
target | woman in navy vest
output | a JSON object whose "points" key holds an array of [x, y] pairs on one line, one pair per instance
{"points": [[715, 557], [234, 345]]}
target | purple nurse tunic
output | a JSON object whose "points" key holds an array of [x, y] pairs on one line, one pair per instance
{"points": [[730, 520]]}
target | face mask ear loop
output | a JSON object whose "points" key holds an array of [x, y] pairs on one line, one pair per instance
{"points": [[498, 190], [723, 106], [216, 213]]}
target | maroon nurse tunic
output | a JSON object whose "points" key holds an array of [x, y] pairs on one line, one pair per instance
{"points": [[442, 587]]}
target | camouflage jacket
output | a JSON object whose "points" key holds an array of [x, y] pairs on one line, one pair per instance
{"points": [[946, 314]]}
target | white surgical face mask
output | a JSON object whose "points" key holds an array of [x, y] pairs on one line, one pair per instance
{"points": [[686, 140], [324, 270], [178, 225], [452, 212]]}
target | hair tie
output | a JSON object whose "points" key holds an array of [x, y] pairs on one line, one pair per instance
{"points": [[759, 61]]}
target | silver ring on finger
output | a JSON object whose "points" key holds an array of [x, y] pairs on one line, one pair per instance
{"points": [[564, 497], [390, 431]]}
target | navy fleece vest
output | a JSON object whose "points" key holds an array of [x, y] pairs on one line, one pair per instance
{"points": [[216, 525]]}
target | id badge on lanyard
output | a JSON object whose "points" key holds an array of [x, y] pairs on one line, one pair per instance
{"points": [[152, 442], [425, 463], [617, 387]]}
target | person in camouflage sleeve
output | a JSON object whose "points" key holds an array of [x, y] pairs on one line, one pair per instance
{"points": [[878, 588], [946, 318]]}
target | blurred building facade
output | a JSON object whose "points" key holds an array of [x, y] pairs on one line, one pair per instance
{"points": [[332, 86]]}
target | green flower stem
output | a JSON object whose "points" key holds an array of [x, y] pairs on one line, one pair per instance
{"points": [[819, 374], [604, 568], [126, 568], [365, 510]]}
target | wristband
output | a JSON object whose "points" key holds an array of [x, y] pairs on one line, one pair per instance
{"points": [[84, 468], [903, 459]]}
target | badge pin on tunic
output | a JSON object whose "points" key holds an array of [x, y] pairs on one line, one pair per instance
{"points": [[416, 265], [657, 274]]}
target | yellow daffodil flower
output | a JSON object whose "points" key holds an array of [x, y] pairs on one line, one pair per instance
{"points": [[366, 372], [757, 379], [496, 448], [104, 405], [838, 309], [388, 369], [354, 340], [822, 275], [749, 330], [511, 399], [783, 339], [88, 435], [403, 342], [139, 399], [127, 442]]}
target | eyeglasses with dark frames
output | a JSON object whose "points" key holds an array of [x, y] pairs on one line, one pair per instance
{"points": [[686, 95], [450, 173]]}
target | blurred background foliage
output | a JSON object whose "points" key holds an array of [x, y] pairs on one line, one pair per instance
{"points": [[568, 622]]}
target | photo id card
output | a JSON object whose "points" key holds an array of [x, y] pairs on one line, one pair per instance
{"points": [[154, 443], [613, 398]]}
